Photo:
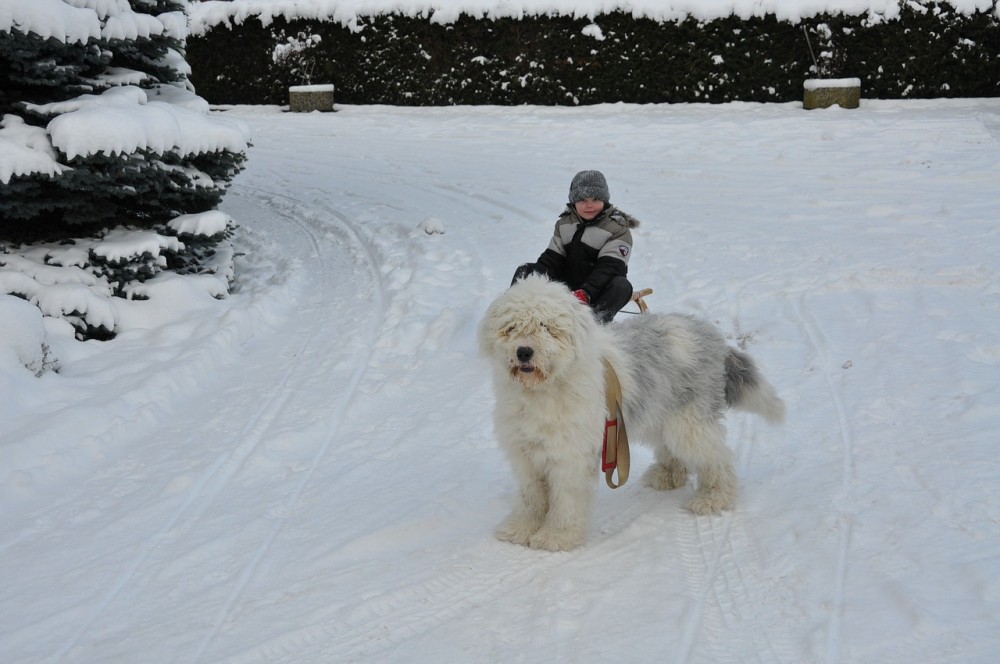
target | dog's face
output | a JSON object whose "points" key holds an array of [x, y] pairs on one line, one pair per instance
{"points": [[534, 330]]}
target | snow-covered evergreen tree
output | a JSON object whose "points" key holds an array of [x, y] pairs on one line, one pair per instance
{"points": [[99, 124]]}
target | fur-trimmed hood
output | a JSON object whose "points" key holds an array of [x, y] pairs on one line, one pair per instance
{"points": [[624, 218], [611, 212]]}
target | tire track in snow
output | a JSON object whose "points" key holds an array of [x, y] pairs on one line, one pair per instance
{"points": [[821, 345], [376, 625], [212, 481], [738, 612], [718, 550], [693, 554], [335, 422]]}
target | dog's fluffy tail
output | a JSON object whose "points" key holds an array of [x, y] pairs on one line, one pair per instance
{"points": [[746, 389]]}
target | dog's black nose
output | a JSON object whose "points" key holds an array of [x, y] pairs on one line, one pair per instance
{"points": [[525, 353]]}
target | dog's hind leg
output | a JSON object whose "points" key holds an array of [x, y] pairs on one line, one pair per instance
{"points": [[701, 444], [718, 490], [668, 472]]}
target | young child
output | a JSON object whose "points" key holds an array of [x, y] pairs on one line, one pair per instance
{"points": [[590, 248]]}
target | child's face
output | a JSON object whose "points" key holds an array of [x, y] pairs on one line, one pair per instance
{"points": [[589, 208]]}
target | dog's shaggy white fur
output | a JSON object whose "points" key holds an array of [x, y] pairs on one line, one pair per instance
{"points": [[677, 374]]}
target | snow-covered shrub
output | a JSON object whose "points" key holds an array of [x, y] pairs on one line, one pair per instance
{"points": [[83, 280], [99, 124], [295, 54], [205, 245], [24, 337]]}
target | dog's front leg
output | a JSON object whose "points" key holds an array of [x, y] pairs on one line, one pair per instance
{"points": [[532, 504], [571, 492]]}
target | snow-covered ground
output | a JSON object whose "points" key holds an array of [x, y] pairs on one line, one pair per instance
{"points": [[306, 470]]}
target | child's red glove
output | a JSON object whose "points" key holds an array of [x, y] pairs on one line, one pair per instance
{"points": [[582, 296]]}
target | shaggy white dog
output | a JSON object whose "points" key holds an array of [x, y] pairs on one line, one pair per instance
{"points": [[677, 375]]}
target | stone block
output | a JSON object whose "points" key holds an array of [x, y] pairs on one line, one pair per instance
{"points": [[826, 92], [306, 98]]}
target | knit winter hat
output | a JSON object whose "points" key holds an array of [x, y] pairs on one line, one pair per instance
{"points": [[589, 184]]}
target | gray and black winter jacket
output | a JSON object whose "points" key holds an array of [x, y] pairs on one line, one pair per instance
{"points": [[589, 254]]}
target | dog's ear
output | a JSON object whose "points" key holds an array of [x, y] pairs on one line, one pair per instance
{"points": [[495, 325], [486, 334], [575, 325]]}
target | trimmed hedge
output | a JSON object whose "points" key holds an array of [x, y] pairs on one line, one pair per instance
{"points": [[927, 52]]}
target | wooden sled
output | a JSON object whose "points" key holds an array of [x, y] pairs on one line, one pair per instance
{"points": [[637, 298]]}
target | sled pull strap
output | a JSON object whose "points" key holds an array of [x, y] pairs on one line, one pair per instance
{"points": [[615, 454]]}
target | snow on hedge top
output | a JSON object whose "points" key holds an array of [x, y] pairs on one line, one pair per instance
{"points": [[73, 21], [206, 15], [123, 120]]}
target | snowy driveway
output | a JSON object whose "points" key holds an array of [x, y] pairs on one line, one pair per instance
{"points": [[308, 473]]}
